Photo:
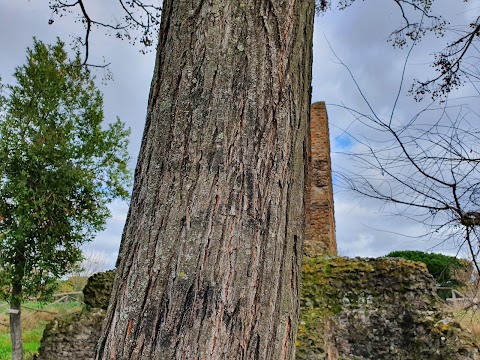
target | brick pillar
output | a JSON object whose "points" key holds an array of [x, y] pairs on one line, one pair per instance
{"points": [[320, 220]]}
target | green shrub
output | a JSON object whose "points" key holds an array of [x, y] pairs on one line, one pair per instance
{"points": [[444, 268]]}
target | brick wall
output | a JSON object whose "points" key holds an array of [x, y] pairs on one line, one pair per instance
{"points": [[320, 221]]}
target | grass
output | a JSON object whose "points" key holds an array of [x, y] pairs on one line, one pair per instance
{"points": [[33, 324], [469, 320], [468, 313], [31, 342]]}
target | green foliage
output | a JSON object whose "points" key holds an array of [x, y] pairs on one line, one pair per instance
{"points": [[33, 324], [59, 169], [442, 267], [75, 283], [31, 343]]}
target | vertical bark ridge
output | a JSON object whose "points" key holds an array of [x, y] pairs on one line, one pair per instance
{"points": [[209, 265], [16, 315]]}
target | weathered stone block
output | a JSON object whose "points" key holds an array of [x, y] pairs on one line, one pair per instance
{"points": [[98, 289], [375, 309], [72, 337], [75, 336]]}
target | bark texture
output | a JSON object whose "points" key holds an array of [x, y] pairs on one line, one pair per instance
{"points": [[16, 321], [209, 265]]}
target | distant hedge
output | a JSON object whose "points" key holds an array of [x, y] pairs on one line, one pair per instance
{"points": [[444, 268]]}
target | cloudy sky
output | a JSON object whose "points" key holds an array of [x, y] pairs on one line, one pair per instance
{"points": [[357, 37]]}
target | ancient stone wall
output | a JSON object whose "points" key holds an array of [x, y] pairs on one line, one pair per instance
{"points": [[75, 336], [72, 337], [320, 221], [355, 309], [98, 289]]}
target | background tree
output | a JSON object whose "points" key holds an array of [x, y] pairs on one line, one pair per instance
{"points": [[426, 169], [58, 172], [445, 269], [455, 64]]}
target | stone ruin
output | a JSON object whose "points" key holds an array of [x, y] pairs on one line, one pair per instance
{"points": [[355, 309], [351, 309], [75, 336]]}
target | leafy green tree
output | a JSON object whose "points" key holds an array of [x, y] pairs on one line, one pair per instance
{"points": [[59, 169], [442, 267]]}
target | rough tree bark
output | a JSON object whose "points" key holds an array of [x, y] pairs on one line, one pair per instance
{"points": [[16, 321], [210, 259], [16, 304]]}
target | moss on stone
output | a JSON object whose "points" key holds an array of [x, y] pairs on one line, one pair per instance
{"points": [[74, 336], [98, 289], [375, 309]]}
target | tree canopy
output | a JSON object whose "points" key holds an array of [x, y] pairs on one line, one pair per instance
{"points": [[442, 267], [59, 169]]}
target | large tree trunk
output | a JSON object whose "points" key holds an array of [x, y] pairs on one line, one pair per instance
{"points": [[210, 259], [16, 321]]}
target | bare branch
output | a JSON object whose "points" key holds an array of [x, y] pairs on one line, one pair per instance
{"points": [[141, 19], [450, 65], [427, 166]]}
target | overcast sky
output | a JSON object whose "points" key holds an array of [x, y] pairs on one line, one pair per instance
{"points": [[357, 35]]}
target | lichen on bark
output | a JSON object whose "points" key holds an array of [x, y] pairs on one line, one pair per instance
{"points": [[209, 265]]}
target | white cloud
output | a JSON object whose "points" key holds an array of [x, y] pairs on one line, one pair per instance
{"points": [[358, 35]]}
